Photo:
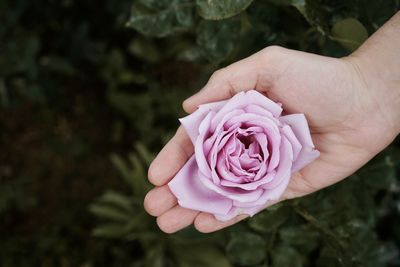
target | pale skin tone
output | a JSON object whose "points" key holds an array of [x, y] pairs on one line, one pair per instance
{"points": [[352, 105]]}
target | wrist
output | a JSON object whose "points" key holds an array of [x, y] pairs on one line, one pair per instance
{"points": [[377, 65], [379, 90]]}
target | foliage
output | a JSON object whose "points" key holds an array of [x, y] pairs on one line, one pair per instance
{"points": [[125, 219], [80, 81]]}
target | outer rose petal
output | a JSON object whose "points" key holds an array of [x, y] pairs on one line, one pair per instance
{"points": [[226, 217], [296, 146], [299, 125], [192, 194], [232, 193], [192, 122], [253, 208], [202, 163], [306, 156]]}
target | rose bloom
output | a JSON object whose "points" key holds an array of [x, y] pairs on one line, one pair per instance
{"points": [[245, 153]]}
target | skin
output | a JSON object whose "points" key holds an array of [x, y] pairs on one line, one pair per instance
{"points": [[352, 105]]}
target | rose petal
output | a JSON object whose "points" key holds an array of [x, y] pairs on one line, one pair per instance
{"points": [[233, 212], [299, 125], [192, 194], [198, 148], [232, 193], [220, 124], [283, 171], [192, 122], [306, 156], [244, 99], [296, 146], [225, 174], [308, 153], [250, 186], [268, 195], [247, 163], [214, 155], [211, 141], [237, 170], [271, 130], [254, 150], [256, 109], [263, 143]]}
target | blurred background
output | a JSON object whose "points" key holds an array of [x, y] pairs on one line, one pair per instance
{"points": [[91, 90]]}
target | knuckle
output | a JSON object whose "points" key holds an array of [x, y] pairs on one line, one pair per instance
{"points": [[218, 73], [272, 51]]}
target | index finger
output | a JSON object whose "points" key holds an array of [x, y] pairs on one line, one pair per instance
{"points": [[254, 72], [171, 158]]}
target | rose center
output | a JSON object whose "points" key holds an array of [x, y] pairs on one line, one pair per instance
{"points": [[251, 155]]}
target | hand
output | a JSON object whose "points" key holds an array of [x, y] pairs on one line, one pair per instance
{"points": [[348, 125]]}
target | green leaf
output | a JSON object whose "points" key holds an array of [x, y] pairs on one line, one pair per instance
{"points": [[303, 237], [177, 16], [216, 10], [284, 256], [217, 38], [246, 249], [139, 176], [109, 231], [108, 212], [59, 65], [381, 172], [300, 5], [155, 256], [269, 220], [379, 11], [350, 33], [145, 49], [311, 10], [144, 153], [123, 169], [314, 13], [117, 199], [190, 255]]}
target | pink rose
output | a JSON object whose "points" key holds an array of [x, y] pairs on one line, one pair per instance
{"points": [[245, 153]]}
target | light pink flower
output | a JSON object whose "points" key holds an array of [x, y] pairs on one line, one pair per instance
{"points": [[245, 153]]}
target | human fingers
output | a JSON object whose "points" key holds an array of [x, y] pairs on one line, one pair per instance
{"points": [[176, 219], [206, 223], [159, 200], [171, 158], [257, 71]]}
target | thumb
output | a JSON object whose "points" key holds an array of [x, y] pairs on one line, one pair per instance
{"points": [[254, 72]]}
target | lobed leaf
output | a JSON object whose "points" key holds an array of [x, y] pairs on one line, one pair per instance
{"points": [[350, 33], [217, 10], [177, 16]]}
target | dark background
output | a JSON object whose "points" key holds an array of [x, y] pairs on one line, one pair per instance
{"points": [[87, 99]]}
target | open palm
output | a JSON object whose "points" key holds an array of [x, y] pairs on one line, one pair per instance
{"points": [[344, 119]]}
